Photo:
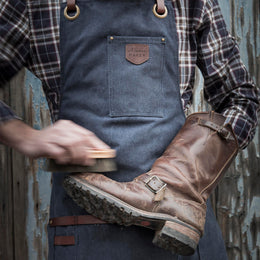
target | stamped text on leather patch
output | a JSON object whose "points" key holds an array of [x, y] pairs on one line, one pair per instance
{"points": [[137, 53]]}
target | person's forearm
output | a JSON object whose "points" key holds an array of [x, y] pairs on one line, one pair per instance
{"points": [[65, 141], [228, 87], [15, 133]]}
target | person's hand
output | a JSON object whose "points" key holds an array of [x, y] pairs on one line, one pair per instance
{"points": [[64, 141]]}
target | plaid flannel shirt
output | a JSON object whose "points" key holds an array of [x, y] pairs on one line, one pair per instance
{"points": [[29, 33]]}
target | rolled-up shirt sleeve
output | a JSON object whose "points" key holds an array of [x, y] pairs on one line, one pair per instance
{"points": [[14, 45], [227, 84]]}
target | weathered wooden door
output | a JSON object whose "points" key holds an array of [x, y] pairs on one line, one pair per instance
{"points": [[25, 187]]}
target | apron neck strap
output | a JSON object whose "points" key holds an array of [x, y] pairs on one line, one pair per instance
{"points": [[71, 5], [160, 6]]}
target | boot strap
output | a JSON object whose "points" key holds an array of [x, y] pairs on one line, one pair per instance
{"points": [[220, 129]]}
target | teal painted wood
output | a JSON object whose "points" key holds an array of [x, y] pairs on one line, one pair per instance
{"points": [[238, 198], [39, 181]]}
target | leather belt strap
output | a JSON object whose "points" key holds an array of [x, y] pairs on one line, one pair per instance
{"points": [[75, 220], [160, 6], [220, 129], [71, 5], [64, 240]]}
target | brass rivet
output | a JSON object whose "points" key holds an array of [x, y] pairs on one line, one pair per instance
{"points": [[163, 39], [111, 38], [50, 222]]}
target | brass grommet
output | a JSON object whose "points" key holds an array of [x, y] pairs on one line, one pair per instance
{"points": [[160, 15], [71, 17]]}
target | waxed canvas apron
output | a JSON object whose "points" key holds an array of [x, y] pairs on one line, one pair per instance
{"points": [[119, 79]]}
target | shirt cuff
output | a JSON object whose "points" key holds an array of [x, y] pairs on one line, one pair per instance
{"points": [[6, 113], [243, 127]]}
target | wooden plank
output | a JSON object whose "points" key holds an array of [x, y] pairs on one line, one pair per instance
{"points": [[39, 181], [238, 195], [19, 171], [6, 195]]}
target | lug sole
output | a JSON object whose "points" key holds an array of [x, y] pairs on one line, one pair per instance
{"points": [[170, 233]]}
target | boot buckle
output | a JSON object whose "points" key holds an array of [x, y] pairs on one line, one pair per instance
{"points": [[155, 184], [224, 133]]}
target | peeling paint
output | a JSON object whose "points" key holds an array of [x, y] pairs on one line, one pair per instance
{"points": [[249, 227], [39, 181], [238, 205], [250, 54], [242, 20]]}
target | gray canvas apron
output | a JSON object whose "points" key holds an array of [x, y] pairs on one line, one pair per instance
{"points": [[120, 79]]}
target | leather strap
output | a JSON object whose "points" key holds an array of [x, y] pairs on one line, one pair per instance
{"points": [[75, 220], [64, 240], [160, 6], [220, 129], [71, 5]]}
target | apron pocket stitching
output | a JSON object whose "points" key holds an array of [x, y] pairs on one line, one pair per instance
{"points": [[135, 90]]}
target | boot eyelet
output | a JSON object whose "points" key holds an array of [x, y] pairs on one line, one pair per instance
{"points": [[161, 16], [74, 16]]}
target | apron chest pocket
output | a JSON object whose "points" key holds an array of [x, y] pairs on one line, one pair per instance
{"points": [[135, 72]]}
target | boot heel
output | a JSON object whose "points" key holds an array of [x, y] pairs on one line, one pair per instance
{"points": [[177, 238]]}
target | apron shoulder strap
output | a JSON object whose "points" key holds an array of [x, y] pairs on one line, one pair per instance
{"points": [[160, 6], [71, 5]]}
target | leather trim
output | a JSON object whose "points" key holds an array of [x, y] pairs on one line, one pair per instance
{"points": [[220, 129], [160, 6], [71, 5], [64, 240], [137, 53], [75, 220]]}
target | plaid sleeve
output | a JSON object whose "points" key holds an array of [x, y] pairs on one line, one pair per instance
{"points": [[14, 45], [227, 86], [6, 113]]}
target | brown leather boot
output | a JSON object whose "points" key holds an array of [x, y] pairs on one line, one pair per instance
{"points": [[171, 197]]}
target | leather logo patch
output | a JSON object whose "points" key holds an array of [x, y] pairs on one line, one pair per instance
{"points": [[137, 53]]}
